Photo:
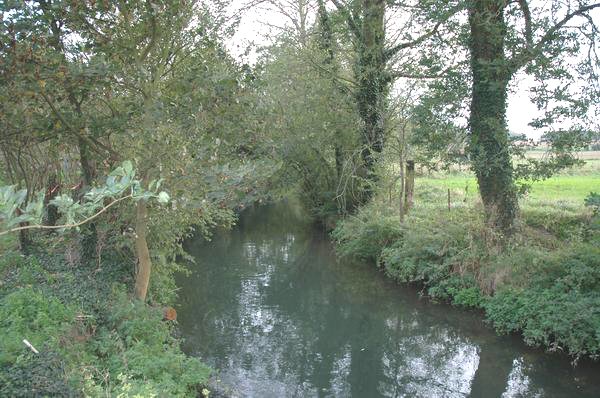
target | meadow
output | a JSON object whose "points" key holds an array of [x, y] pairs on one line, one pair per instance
{"points": [[571, 185]]}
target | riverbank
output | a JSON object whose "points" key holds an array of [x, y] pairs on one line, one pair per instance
{"points": [[92, 339], [545, 284]]}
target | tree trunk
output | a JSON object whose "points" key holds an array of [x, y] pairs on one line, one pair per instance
{"points": [[489, 147], [409, 185], [325, 40], [142, 278], [90, 235], [24, 237], [87, 169], [372, 89], [51, 192]]}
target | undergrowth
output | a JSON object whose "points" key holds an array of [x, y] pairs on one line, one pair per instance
{"points": [[93, 340]]}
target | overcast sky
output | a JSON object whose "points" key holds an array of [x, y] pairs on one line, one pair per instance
{"points": [[256, 29]]}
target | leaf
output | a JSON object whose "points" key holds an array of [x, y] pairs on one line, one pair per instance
{"points": [[163, 197], [128, 167]]}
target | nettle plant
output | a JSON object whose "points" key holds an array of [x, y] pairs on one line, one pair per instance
{"points": [[17, 213]]}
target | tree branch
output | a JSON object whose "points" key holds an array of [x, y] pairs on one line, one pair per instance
{"points": [[524, 6], [93, 142], [349, 18], [390, 52], [422, 76], [530, 53], [90, 218]]}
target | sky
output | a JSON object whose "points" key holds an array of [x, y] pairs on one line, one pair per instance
{"points": [[256, 28]]}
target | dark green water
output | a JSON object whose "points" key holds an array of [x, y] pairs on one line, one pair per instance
{"points": [[269, 306]]}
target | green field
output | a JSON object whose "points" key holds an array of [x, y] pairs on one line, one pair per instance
{"points": [[571, 185], [570, 188]]}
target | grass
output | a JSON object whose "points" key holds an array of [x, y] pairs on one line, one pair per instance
{"points": [[570, 185], [573, 188]]}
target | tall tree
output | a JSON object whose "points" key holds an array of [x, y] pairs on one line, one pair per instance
{"points": [[376, 66], [493, 65]]}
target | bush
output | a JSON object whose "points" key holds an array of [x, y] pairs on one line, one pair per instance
{"points": [[28, 314], [139, 355], [559, 309], [444, 253], [563, 220], [365, 236]]}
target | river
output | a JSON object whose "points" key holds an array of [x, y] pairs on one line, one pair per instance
{"points": [[271, 308]]}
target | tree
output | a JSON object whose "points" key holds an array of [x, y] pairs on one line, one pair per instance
{"points": [[147, 81], [380, 60], [492, 67]]}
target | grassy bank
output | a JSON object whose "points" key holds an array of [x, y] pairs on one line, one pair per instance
{"points": [[545, 283], [92, 339]]}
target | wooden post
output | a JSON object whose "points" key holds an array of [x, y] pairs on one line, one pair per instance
{"points": [[409, 185], [448, 199]]}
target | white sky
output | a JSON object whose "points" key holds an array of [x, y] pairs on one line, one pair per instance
{"points": [[256, 29]]}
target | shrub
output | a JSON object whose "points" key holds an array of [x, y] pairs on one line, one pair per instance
{"points": [[366, 235], [28, 314], [438, 251], [140, 356], [559, 309], [563, 220], [544, 282]]}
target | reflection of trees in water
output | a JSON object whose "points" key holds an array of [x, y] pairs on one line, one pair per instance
{"points": [[426, 362], [273, 310]]}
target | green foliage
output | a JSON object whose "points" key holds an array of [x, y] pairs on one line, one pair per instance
{"points": [[365, 235], [563, 220], [40, 374], [29, 314], [560, 308], [141, 356], [119, 182], [430, 250], [311, 125], [100, 344], [466, 297], [14, 208], [593, 202], [434, 251]]}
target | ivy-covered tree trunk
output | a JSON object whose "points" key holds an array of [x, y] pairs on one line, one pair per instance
{"points": [[489, 145], [372, 90], [326, 40]]}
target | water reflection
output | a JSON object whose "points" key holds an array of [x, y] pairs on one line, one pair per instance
{"points": [[270, 307]]}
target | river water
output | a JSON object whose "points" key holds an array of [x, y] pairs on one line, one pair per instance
{"points": [[270, 307]]}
